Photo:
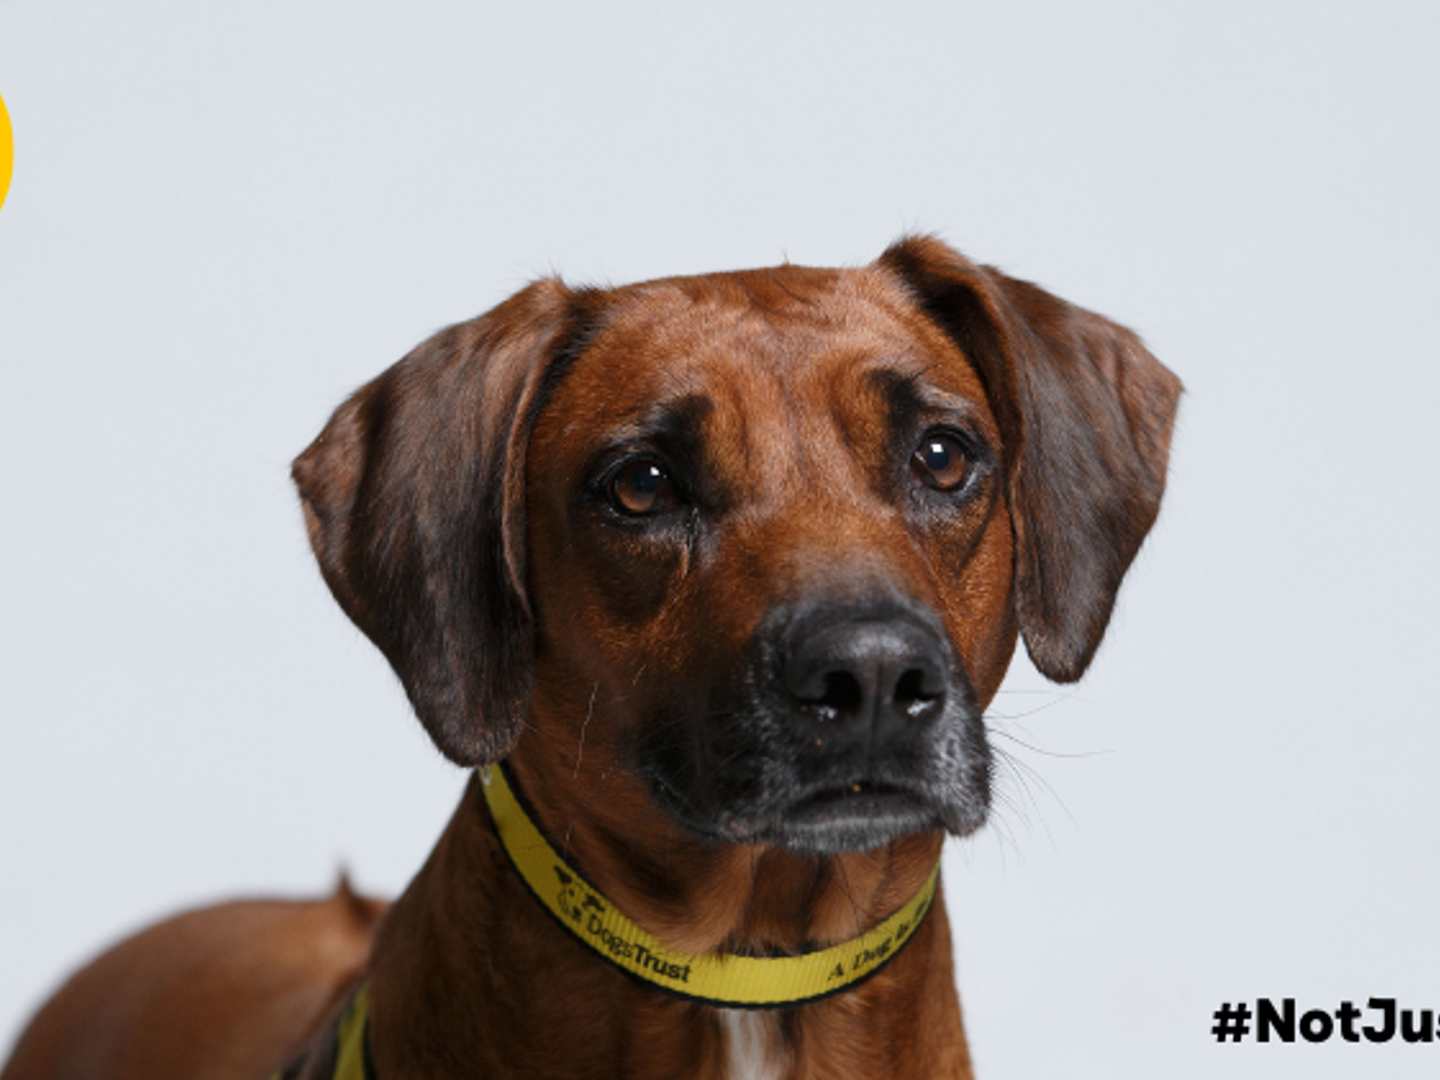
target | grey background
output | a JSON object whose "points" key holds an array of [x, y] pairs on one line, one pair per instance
{"points": [[225, 217]]}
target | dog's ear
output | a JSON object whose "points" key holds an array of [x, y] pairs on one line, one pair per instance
{"points": [[414, 502], [1085, 412]]}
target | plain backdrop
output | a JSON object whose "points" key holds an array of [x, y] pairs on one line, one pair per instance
{"points": [[225, 217]]}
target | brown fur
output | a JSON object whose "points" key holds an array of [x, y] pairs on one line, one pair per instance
{"points": [[447, 502], [227, 991]]}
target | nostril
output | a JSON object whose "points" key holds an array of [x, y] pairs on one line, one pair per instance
{"points": [[915, 691], [910, 687], [843, 692], [832, 693]]}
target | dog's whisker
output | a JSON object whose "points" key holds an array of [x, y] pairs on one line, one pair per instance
{"points": [[1026, 775], [1058, 699], [1004, 837], [580, 749], [1065, 755]]}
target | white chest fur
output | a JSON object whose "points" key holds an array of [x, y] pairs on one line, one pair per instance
{"points": [[753, 1049]]}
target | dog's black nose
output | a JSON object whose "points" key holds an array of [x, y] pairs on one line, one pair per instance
{"points": [[866, 679]]}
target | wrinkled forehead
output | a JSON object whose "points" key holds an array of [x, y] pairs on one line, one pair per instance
{"points": [[789, 344]]}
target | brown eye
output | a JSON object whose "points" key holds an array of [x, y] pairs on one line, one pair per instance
{"points": [[641, 488], [940, 463]]}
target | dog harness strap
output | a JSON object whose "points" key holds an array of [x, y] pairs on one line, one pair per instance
{"points": [[344, 1053], [353, 1060], [744, 982]]}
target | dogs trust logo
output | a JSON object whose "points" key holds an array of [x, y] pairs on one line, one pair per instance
{"points": [[568, 899], [588, 911], [7, 152]]}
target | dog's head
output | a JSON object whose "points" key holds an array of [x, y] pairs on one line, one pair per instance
{"points": [[759, 544]]}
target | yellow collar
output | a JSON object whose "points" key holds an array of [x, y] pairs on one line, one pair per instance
{"points": [[743, 982]]}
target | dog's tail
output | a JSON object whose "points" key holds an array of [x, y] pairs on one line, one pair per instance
{"points": [[364, 912]]}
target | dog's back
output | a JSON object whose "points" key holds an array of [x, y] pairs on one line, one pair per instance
{"points": [[223, 993]]}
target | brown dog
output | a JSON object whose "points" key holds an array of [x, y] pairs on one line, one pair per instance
{"points": [[727, 568]]}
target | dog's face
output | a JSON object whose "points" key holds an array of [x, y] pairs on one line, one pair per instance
{"points": [[753, 549], [766, 533]]}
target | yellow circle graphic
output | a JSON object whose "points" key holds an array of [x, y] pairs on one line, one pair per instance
{"points": [[7, 152]]}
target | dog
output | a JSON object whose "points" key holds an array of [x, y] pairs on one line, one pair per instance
{"points": [[711, 580]]}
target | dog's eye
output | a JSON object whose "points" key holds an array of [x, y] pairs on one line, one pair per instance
{"points": [[642, 488], [941, 462]]}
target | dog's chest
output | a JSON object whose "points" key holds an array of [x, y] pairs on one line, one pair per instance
{"points": [[753, 1048]]}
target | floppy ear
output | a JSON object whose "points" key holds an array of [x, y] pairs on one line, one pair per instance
{"points": [[1085, 412], [414, 502]]}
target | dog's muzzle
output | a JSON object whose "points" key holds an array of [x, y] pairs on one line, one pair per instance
{"points": [[847, 725]]}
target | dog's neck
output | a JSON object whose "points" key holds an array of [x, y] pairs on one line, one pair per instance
{"points": [[468, 952]]}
